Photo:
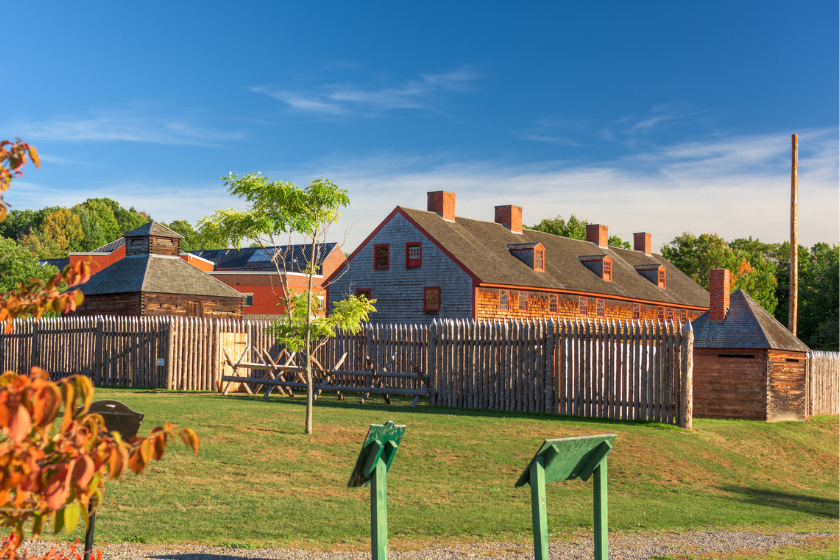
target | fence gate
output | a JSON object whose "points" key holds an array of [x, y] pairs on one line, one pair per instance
{"points": [[234, 344]]}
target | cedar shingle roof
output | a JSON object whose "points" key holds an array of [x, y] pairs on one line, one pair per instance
{"points": [[747, 325], [153, 228], [157, 274], [482, 248]]}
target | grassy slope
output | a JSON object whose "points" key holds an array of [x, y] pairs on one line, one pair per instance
{"points": [[259, 480]]}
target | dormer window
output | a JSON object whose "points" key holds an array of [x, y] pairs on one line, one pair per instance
{"points": [[532, 254], [601, 265], [654, 272]]}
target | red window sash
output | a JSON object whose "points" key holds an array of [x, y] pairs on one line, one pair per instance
{"points": [[364, 291], [416, 262], [377, 258]]}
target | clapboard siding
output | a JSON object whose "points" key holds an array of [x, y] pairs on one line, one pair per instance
{"points": [[726, 387]]}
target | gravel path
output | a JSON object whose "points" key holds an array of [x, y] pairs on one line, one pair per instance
{"points": [[622, 547]]}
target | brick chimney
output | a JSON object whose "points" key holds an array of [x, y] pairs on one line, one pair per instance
{"points": [[442, 202], [719, 281], [510, 217], [641, 242], [597, 234]]}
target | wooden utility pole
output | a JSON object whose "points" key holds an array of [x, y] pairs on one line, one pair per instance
{"points": [[794, 244]]}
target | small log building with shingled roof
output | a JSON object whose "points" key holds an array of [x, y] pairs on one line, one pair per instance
{"points": [[153, 280], [425, 264], [747, 365]]}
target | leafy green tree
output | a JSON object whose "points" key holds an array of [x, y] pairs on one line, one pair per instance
{"points": [[19, 222], [278, 209], [60, 233], [747, 259], [574, 228], [819, 297], [102, 225], [696, 256], [19, 265], [194, 240]]}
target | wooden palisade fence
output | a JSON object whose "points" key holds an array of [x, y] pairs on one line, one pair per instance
{"points": [[621, 370], [605, 369], [823, 383]]}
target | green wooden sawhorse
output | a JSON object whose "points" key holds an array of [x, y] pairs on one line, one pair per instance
{"points": [[568, 459], [371, 468]]}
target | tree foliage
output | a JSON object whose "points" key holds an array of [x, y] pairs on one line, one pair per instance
{"points": [[194, 240], [13, 156], [54, 467], [52, 232], [762, 270], [276, 210], [19, 265], [574, 228]]}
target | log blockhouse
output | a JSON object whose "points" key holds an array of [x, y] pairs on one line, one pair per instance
{"points": [[153, 280], [747, 365]]}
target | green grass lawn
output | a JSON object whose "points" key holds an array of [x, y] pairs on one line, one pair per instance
{"points": [[258, 481]]}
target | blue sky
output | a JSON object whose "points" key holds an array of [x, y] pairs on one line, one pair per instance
{"points": [[645, 116]]}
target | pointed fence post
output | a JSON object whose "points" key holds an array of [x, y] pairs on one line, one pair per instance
{"points": [[687, 401]]}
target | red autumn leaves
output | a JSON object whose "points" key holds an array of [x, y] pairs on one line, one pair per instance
{"points": [[51, 467], [13, 156]]}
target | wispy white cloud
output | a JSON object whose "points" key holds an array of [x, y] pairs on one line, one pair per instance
{"points": [[630, 130], [736, 187], [348, 98], [124, 126]]}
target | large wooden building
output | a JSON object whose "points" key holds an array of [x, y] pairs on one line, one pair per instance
{"points": [[747, 365], [425, 264], [152, 279]]}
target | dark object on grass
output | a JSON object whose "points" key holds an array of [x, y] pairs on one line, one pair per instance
{"points": [[126, 422]]}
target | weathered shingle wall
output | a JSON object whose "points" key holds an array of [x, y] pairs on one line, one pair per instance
{"points": [[399, 290]]}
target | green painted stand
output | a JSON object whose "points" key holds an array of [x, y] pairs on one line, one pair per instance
{"points": [[372, 464], [567, 459]]}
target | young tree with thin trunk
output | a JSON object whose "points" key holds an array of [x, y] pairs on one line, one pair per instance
{"points": [[280, 210]]}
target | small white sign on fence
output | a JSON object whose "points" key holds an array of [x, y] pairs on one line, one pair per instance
{"points": [[161, 362]]}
